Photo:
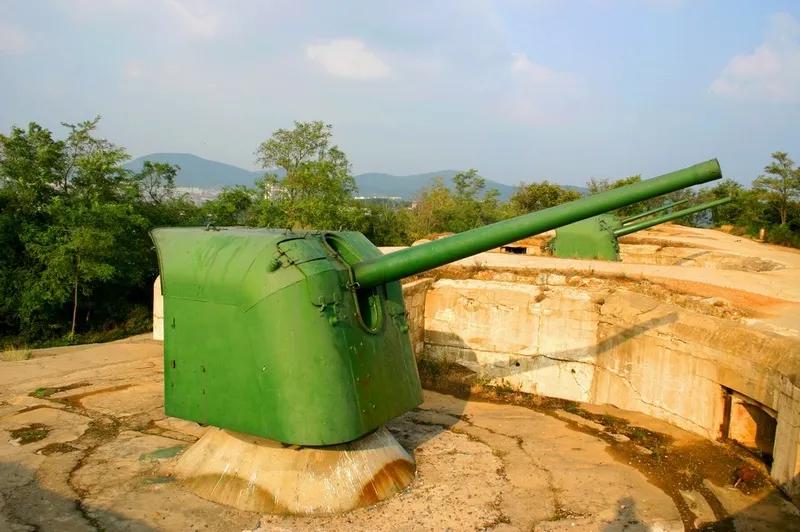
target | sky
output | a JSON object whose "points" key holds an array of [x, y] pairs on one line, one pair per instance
{"points": [[520, 90]]}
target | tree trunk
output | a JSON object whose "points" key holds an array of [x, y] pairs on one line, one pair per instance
{"points": [[74, 299], [74, 306]]}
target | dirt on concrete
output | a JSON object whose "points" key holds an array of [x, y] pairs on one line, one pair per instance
{"points": [[492, 459]]}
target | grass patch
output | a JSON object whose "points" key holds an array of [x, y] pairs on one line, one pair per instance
{"points": [[57, 448], [31, 433], [10, 354], [44, 393]]}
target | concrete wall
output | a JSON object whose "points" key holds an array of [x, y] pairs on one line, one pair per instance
{"points": [[594, 344], [414, 294], [158, 311], [515, 332]]}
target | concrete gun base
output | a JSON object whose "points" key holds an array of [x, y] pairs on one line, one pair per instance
{"points": [[260, 475]]}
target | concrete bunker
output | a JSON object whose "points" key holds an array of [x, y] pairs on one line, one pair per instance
{"points": [[682, 359]]}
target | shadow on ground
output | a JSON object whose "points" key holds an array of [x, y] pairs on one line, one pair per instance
{"points": [[26, 505]]}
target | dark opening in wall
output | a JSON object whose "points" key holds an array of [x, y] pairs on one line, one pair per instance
{"points": [[518, 250], [750, 424]]}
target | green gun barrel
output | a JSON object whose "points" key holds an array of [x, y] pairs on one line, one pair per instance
{"points": [[635, 217], [628, 229], [394, 266]]}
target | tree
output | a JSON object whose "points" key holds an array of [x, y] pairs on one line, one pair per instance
{"points": [[92, 164], [388, 225], [744, 210], [537, 196], [602, 185], [77, 252], [780, 184], [474, 206], [433, 210], [231, 207], [71, 226], [156, 181], [32, 165], [469, 205], [288, 149], [317, 188]]}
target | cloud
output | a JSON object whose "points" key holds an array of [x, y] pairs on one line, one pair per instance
{"points": [[195, 17], [771, 73], [13, 40], [539, 94], [348, 58], [535, 74]]}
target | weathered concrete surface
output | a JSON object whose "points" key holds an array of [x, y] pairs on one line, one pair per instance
{"points": [[597, 343], [266, 476], [84, 445], [158, 310], [704, 317], [414, 294]]}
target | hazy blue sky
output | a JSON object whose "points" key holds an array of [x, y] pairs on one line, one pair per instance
{"points": [[520, 90]]}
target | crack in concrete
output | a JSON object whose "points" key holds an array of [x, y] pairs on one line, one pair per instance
{"points": [[639, 396], [558, 507], [104, 437], [102, 429]]}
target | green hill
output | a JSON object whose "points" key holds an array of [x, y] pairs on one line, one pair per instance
{"points": [[198, 172], [206, 174]]}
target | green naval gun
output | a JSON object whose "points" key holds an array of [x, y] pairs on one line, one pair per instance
{"points": [[598, 237], [301, 336], [293, 348]]}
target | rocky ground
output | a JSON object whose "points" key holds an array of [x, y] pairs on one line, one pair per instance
{"points": [[84, 445]]}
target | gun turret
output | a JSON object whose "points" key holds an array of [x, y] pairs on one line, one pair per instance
{"points": [[301, 336]]}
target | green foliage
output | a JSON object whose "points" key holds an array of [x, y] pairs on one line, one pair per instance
{"points": [[601, 185], [746, 210], [783, 236], [156, 181], [317, 189], [596, 186], [307, 142], [439, 210], [386, 225], [74, 227], [317, 194], [538, 196], [779, 186], [232, 207]]}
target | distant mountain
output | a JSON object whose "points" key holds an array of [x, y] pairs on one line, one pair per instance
{"points": [[198, 172], [205, 174], [408, 186]]}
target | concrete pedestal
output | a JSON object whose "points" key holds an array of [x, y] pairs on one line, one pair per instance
{"points": [[261, 475]]}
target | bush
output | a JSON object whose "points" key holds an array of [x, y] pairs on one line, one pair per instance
{"points": [[783, 236]]}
